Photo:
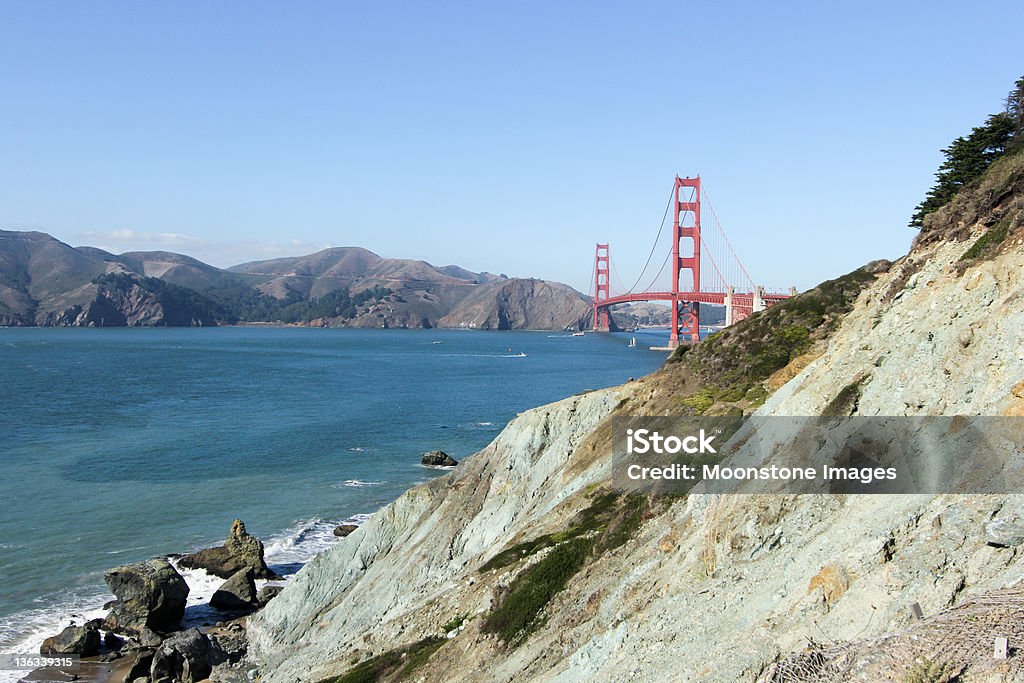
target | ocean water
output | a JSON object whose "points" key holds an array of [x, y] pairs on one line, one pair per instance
{"points": [[117, 445]]}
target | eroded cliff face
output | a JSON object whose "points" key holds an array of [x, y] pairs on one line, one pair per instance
{"points": [[520, 304], [121, 304], [713, 588], [411, 568]]}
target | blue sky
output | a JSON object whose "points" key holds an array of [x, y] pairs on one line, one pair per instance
{"points": [[506, 137]]}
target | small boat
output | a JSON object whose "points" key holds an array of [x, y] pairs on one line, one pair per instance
{"points": [[581, 333], [632, 342], [520, 355]]}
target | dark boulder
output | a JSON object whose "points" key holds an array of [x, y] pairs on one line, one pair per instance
{"points": [[237, 594], [240, 551], [182, 658], [150, 596], [343, 530], [438, 459], [268, 593], [141, 663], [112, 642], [73, 640]]}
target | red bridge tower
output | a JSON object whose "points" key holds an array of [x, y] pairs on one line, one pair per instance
{"points": [[685, 224], [602, 317]]}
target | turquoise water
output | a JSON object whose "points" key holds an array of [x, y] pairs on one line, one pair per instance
{"points": [[122, 444]]}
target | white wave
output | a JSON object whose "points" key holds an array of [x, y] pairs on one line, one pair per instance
{"points": [[24, 631], [356, 484]]}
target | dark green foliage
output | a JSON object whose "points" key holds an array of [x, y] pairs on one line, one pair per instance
{"points": [[237, 302], [845, 402], [454, 623], [967, 158], [396, 665], [240, 303], [609, 521], [519, 614], [518, 552], [732, 363], [986, 245], [182, 306]]}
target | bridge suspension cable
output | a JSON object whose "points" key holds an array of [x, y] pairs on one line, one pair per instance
{"points": [[738, 268], [661, 228]]}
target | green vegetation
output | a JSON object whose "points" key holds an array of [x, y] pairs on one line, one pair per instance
{"points": [[237, 302], [700, 401], [607, 523], [454, 623], [519, 614], [181, 305], [967, 158], [250, 305], [986, 245], [731, 365], [845, 401], [396, 665], [930, 671]]}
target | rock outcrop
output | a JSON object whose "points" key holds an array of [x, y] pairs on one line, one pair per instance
{"points": [[150, 597], [73, 640], [343, 530], [521, 304], [182, 658], [438, 459], [237, 594], [240, 551]]}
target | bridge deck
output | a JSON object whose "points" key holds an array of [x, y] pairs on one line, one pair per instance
{"points": [[738, 298]]}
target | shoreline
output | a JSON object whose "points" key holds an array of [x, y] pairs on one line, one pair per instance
{"points": [[287, 552]]}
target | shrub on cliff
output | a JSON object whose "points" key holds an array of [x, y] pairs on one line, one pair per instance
{"points": [[967, 158]]}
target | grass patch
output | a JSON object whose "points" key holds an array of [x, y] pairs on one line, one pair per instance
{"points": [[519, 614], [454, 623], [396, 665], [986, 246], [730, 366], [609, 521], [931, 671], [699, 401], [845, 401]]}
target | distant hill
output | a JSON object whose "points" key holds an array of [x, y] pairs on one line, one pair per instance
{"points": [[44, 281]]}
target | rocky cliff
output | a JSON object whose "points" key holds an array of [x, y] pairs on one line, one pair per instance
{"points": [[709, 587], [520, 304]]}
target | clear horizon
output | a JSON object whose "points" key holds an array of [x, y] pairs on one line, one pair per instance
{"points": [[506, 139]]}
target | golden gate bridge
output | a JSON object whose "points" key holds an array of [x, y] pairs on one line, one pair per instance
{"points": [[701, 267]]}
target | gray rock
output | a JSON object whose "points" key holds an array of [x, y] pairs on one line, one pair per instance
{"points": [[240, 551], [227, 648], [268, 593], [73, 640], [438, 459], [148, 637], [183, 658], [1005, 533], [150, 595], [237, 594], [343, 530], [142, 662]]}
